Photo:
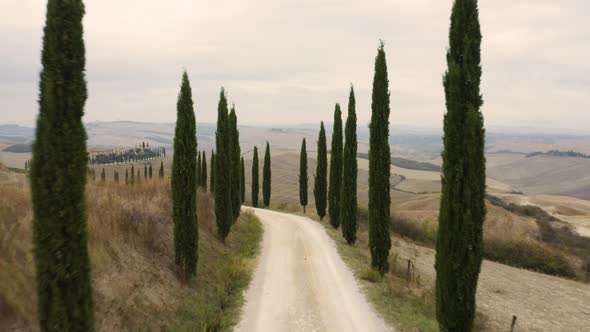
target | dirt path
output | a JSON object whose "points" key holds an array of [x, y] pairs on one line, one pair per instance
{"points": [[302, 284]]}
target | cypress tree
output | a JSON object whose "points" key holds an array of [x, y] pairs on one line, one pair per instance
{"points": [[336, 170], [236, 201], [150, 171], [58, 176], [184, 187], [212, 175], [320, 187], [242, 181], [126, 176], [223, 203], [199, 184], [255, 181], [266, 177], [379, 165], [203, 174], [349, 175], [138, 177], [132, 180], [459, 244], [145, 171], [161, 170], [303, 176], [103, 177], [116, 177]]}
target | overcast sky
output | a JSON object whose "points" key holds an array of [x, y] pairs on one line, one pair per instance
{"points": [[289, 61]]}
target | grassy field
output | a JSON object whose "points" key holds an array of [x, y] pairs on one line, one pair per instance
{"points": [[132, 255]]}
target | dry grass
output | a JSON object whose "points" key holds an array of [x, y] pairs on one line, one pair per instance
{"points": [[132, 255]]}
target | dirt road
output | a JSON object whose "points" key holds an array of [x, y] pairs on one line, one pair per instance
{"points": [[302, 284]]}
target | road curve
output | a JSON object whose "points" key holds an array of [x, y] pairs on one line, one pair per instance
{"points": [[302, 284]]}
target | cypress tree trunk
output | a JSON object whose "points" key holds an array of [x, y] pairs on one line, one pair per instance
{"points": [[242, 181], [213, 165], [184, 183], [320, 188], [459, 244], [203, 174], [255, 181], [58, 176], [303, 176], [336, 170], [349, 175], [223, 206], [199, 184], [266, 177], [236, 201], [379, 164], [161, 171]]}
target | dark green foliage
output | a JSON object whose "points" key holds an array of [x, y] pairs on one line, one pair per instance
{"points": [[150, 171], [161, 170], [58, 176], [126, 176], [203, 174], [138, 178], [320, 187], [459, 245], [132, 179], [184, 183], [145, 171], [335, 170], [234, 143], [255, 181], [266, 177], [103, 177], [379, 164], [19, 148], [223, 203], [212, 176], [199, 169], [303, 176], [242, 181], [349, 175]]}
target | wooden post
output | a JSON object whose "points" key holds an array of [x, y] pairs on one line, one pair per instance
{"points": [[513, 323]]}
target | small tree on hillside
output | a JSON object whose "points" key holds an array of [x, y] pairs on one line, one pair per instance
{"points": [[303, 176], [255, 181], [349, 175], [320, 188], [116, 177], [203, 174], [132, 179], [145, 171], [336, 170], [266, 177], [161, 170], [184, 186], [126, 176], [103, 177], [150, 171]]}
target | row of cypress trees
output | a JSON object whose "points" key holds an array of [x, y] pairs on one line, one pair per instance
{"points": [[266, 177], [147, 173]]}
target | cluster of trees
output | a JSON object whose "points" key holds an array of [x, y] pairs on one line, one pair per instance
{"points": [[558, 153], [134, 178], [131, 155], [226, 179], [266, 177]]}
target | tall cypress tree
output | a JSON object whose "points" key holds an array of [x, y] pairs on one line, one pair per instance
{"points": [[161, 171], [266, 177], [145, 171], [255, 181], [303, 176], [203, 174], [379, 165], [184, 183], [116, 177], [126, 176], [132, 179], [349, 175], [320, 187], [212, 175], [150, 171], [199, 169], [235, 163], [459, 244], [335, 170], [58, 176], [223, 203], [242, 180], [103, 176]]}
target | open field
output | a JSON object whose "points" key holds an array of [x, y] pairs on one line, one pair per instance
{"points": [[132, 255]]}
